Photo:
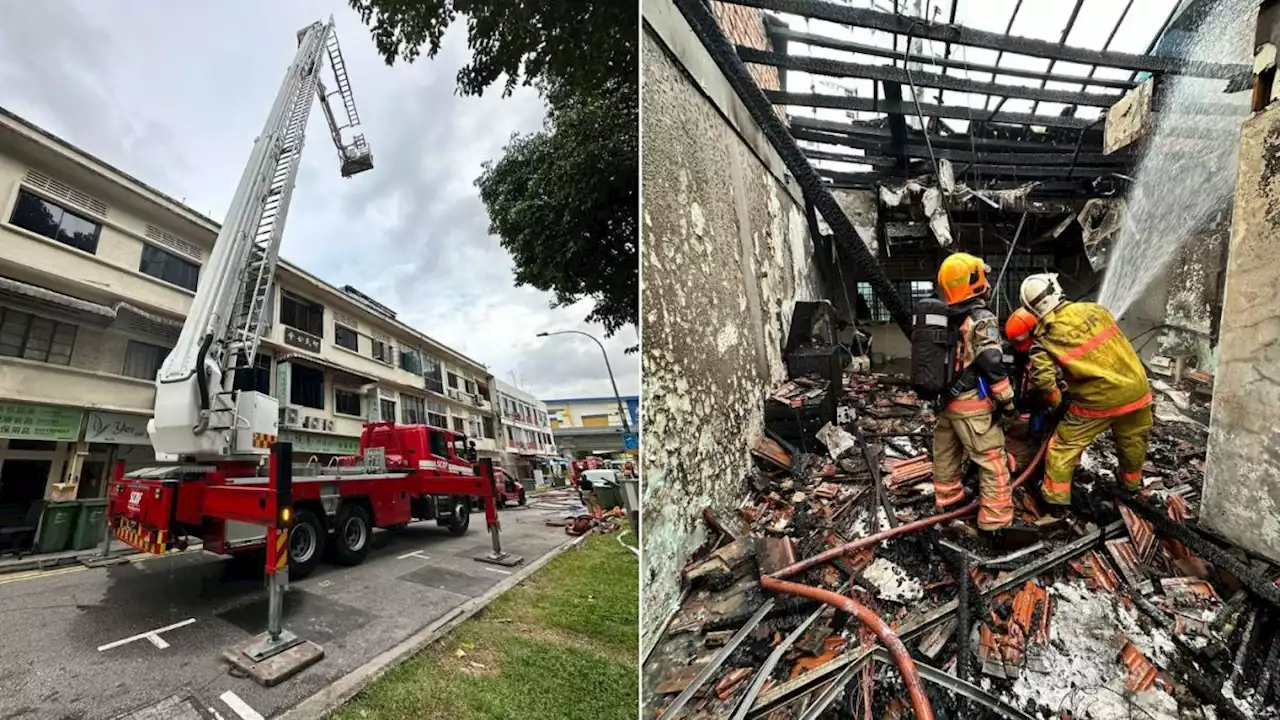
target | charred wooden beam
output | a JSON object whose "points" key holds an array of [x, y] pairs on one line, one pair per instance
{"points": [[919, 150], [957, 142], [972, 37], [943, 62], [888, 74], [958, 112]]}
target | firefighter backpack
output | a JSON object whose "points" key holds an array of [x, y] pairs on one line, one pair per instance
{"points": [[934, 335]]}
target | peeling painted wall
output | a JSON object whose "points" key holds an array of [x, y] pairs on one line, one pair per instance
{"points": [[1241, 497], [726, 253]]}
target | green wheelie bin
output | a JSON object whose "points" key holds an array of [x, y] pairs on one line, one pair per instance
{"points": [[59, 521], [90, 525]]}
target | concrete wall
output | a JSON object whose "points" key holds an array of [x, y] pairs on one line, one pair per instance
{"points": [[726, 255], [1242, 477]]}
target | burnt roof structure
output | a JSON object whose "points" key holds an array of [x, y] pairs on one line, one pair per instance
{"points": [[890, 93]]}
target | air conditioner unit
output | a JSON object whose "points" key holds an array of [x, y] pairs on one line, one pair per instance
{"points": [[289, 417], [453, 393]]}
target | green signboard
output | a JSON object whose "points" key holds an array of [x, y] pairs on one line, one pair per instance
{"points": [[318, 444], [20, 421]]}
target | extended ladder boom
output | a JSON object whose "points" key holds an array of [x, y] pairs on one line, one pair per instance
{"points": [[200, 410]]}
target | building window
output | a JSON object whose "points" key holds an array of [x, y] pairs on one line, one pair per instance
{"points": [[436, 415], [306, 387], [482, 390], [262, 374], [302, 314], [469, 386], [432, 374], [31, 337], [344, 336], [488, 427], [510, 437], [55, 222], [142, 360], [459, 425], [168, 267], [453, 381], [347, 402], [413, 410], [382, 352], [411, 361], [388, 408]]}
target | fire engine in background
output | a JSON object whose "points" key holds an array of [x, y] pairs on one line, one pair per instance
{"points": [[224, 492], [577, 467]]}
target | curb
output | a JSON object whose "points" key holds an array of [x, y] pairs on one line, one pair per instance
{"points": [[344, 688]]}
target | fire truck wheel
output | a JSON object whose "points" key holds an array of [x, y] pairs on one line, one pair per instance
{"points": [[352, 533], [461, 519], [522, 499], [306, 544]]}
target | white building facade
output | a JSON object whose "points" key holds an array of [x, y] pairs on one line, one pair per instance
{"points": [[97, 272], [530, 448]]}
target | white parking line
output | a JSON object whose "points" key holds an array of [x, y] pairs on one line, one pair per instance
{"points": [[504, 572], [240, 707], [415, 553], [152, 635]]}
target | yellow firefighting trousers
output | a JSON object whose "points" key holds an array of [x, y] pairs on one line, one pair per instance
{"points": [[965, 433], [1079, 428]]}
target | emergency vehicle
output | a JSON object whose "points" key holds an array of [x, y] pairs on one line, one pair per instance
{"points": [[235, 488]]}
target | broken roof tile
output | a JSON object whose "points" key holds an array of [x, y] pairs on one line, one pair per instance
{"points": [[1141, 674], [1126, 559], [1141, 533]]}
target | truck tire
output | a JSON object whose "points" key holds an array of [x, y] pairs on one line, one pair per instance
{"points": [[522, 500], [461, 519], [306, 543], [352, 534]]}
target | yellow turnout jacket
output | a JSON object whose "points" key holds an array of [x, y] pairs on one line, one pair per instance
{"points": [[1103, 374]]}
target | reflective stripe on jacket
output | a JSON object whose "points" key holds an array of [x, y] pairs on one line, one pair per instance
{"points": [[1103, 374]]}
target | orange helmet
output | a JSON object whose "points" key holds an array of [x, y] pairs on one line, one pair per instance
{"points": [[961, 277], [1018, 328]]}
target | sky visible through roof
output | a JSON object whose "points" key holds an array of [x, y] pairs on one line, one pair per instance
{"points": [[174, 94], [1135, 24]]}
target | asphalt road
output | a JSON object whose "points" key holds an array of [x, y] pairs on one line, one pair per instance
{"points": [[74, 641]]}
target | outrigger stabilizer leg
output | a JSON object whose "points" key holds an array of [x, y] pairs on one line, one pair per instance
{"points": [[497, 556]]}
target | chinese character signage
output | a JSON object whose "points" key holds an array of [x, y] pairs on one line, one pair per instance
{"points": [[20, 421], [304, 443], [299, 339]]}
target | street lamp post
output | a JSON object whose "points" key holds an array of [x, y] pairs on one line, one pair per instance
{"points": [[622, 412]]}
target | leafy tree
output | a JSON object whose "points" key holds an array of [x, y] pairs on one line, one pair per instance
{"points": [[563, 201]]}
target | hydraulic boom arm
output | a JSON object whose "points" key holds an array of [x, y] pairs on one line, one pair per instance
{"points": [[202, 412]]}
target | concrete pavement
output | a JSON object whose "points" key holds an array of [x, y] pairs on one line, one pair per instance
{"points": [[142, 639]]}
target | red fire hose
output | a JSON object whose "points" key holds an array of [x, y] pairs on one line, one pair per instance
{"points": [[897, 651], [854, 546]]}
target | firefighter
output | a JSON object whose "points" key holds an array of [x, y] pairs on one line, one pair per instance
{"points": [[1024, 432], [1106, 382], [966, 427]]}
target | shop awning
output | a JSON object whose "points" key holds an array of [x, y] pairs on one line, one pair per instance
{"points": [[354, 377], [35, 298], [119, 316]]}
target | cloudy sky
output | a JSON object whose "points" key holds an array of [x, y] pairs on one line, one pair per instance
{"points": [[174, 93]]}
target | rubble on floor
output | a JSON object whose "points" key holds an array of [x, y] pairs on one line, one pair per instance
{"points": [[1096, 613]]}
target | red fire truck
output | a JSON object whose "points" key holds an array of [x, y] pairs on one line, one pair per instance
{"points": [[334, 511], [235, 487]]}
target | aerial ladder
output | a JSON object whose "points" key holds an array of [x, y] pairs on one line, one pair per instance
{"points": [[223, 432]]}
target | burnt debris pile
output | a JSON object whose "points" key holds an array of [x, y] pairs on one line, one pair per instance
{"points": [[836, 589]]}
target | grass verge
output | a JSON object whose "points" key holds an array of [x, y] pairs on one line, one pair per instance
{"points": [[562, 645]]}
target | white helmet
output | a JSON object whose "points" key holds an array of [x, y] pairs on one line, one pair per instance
{"points": [[1041, 293]]}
